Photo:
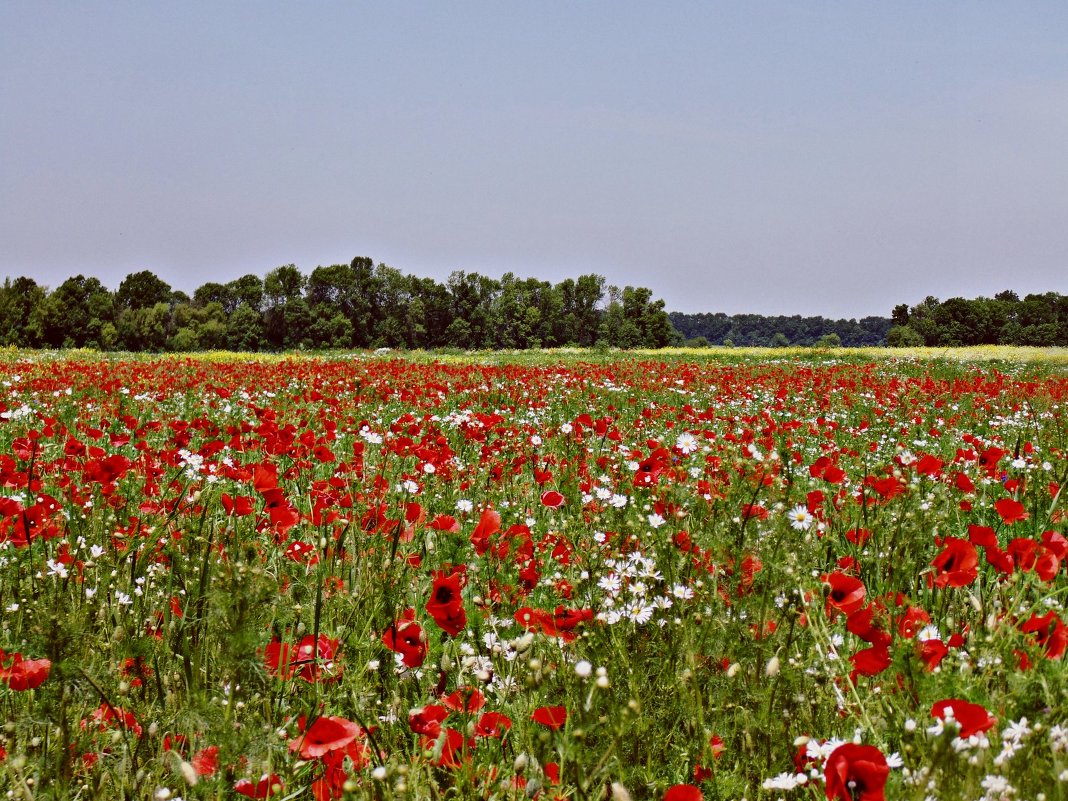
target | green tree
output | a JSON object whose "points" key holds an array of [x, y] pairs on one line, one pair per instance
{"points": [[21, 301], [142, 290], [902, 336], [74, 314], [286, 316], [245, 330]]}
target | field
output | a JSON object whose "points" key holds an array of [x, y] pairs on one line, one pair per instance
{"points": [[682, 575]]}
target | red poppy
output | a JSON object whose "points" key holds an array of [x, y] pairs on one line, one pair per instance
{"points": [[24, 674], [972, 718], [957, 564], [106, 715], [206, 761], [267, 786], [552, 717], [932, 652], [406, 638], [464, 699], [304, 660], [493, 724], [1011, 511], [324, 735], [855, 773], [912, 621], [683, 792], [846, 594], [869, 662], [982, 536], [446, 604], [453, 749], [427, 721], [1049, 632], [552, 499], [238, 506]]}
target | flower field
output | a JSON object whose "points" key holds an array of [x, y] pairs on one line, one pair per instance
{"points": [[682, 577]]}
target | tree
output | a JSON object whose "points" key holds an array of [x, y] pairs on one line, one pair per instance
{"points": [[244, 330], [901, 336], [21, 302], [286, 325], [247, 289], [142, 290], [73, 315]]}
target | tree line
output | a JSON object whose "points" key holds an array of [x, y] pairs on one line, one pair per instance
{"points": [[755, 330], [1005, 319], [356, 305]]}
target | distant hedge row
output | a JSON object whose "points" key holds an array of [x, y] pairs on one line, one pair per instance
{"points": [[352, 305]]}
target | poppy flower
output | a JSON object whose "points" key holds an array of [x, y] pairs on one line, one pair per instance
{"points": [[957, 564], [972, 718], [446, 604], [552, 499], [855, 773], [1010, 510], [206, 761], [305, 660], [267, 786], [552, 717], [427, 721], [492, 724], [684, 792], [464, 699], [406, 638], [846, 593], [912, 621], [1049, 632], [453, 749], [932, 652], [869, 662], [24, 674], [324, 735]]}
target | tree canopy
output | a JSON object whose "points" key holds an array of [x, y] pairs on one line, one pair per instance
{"points": [[355, 305]]}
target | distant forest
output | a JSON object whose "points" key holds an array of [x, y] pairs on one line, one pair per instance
{"points": [[357, 305], [1005, 319], [755, 330], [364, 305]]}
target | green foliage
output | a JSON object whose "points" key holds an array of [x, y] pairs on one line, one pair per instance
{"points": [[1039, 319], [901, 336], [364, 305], [755, 330]]}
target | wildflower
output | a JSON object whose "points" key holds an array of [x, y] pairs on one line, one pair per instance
{"points": [[683, 792], [856, 773], [686, 443], [785, 781], [801, 518], [552, 717], [28, 674], [268, 785], [972, 718], [446, 604], [324, 735]]}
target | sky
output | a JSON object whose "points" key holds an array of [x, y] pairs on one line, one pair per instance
{"points": [[833, 158]]}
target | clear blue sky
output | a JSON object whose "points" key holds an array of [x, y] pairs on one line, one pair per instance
{"points": [[828, 158]]}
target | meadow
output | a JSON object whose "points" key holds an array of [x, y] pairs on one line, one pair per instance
{"points": [[677, 575]]}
